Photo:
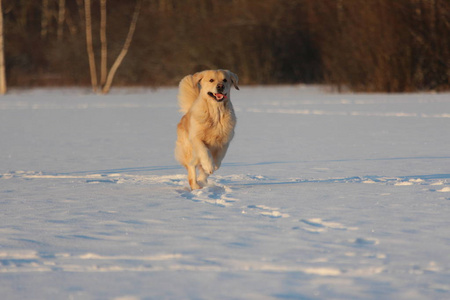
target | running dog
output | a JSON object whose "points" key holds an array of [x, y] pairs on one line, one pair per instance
{"points": [[207, 126]]}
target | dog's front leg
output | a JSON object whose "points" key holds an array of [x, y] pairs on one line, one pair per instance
{"points": [[192, 178], [218, 156], [204, 155], [202, 178]]}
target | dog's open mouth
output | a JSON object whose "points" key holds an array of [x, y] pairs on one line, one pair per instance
{"points": [[219, 97]]}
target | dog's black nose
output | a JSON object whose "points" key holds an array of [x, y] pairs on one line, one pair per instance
{"points": [[220, 87]]}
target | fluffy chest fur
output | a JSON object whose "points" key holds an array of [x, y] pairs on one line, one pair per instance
{"points": [[215, 123]]}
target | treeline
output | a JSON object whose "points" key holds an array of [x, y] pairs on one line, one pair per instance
{"points": [[365, 45]]}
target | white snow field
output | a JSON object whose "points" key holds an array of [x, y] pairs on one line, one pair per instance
{"points": [[321, 196]]}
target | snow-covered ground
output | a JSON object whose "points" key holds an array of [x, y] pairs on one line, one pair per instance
{"points": [[321, 196]]}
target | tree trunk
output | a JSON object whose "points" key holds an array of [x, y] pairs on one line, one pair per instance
{"points": [[125, 47], [104, 50], [61, 18], [2, 55], [90, 48], [44, 18]]}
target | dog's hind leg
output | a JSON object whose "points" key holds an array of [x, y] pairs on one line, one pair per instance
{"points": [[192, 177]]}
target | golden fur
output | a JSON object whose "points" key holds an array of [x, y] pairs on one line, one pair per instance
{"points": [[207, 127]]}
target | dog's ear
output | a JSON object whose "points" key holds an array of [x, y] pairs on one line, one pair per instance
{"points": [[197, 77], [234, 79]]}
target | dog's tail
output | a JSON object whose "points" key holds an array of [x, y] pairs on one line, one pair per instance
{"points": [[188, 91]]}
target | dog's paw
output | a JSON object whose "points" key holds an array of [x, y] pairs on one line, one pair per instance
{"points": [[202, 179], [208, 168], [202, 183], [194, 185]]}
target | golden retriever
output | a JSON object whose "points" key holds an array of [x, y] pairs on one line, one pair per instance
{"points": [[207, 127]]}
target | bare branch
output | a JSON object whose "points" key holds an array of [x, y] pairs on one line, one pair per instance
{"points": [[125, 47], [61, 18], [103, 41], [90, 48], [2, 55], [44, 18]]}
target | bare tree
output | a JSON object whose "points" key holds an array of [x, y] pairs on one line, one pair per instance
{"points": [[104, 45], [90, 47], [106, 77], [124, 50], [2, 55], [61, 18], [44, 18]]}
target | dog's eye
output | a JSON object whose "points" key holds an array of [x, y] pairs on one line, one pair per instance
{"points": [[211, 80], [225, 80]]}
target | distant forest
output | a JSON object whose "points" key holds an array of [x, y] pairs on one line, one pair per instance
{"points": [[363, 45]]}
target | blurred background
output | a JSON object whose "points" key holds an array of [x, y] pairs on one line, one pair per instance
{"points": [[363, 45]]}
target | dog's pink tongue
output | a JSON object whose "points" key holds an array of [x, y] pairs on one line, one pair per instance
{"points": [[219, 96]]}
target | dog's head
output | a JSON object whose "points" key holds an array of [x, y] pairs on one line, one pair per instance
{"points": [[216, 84]]}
